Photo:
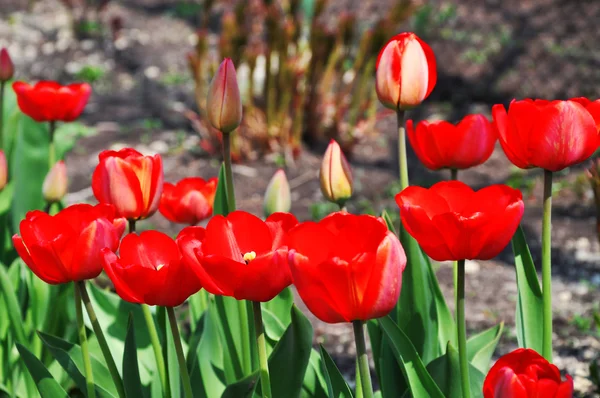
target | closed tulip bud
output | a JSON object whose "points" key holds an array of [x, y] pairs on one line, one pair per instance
{"points": [[55, 183], [3, 170], [406, 72], [224, 104], [335, 175], [7, 69], [278, 197]]}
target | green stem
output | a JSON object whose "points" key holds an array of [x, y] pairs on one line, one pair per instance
{"points": [[454, 174], [110, 362], [246, 356], [51, 149], [403, 163], [2, 84], [228, 172], [185, 376], [261, 344], [85, 352], [363, 359], [462, 330], [547, 266], [157, 348]]}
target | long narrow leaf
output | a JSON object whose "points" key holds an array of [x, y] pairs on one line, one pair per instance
{"points": [[12, 304], [481, 346], [336, 385], [529, 311], [45, 383], [131, 370], [220, 202]]}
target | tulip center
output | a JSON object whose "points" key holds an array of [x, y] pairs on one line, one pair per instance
{"points": [[249, 257]]}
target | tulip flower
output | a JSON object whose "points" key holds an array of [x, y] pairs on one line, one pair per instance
{"points": [[346, 267], [593, 107], [452, 222], [406, 72], [525, 373], [240, 255], [7, 69], [67, 247], [54, 187], [130, 181], [3, 170], [50, 101], [441, 144], [224, 104], [551, 135], [278, 196], [335, 175], [149, 270], [189, 201]]}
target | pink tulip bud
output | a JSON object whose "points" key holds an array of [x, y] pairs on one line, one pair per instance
{"points": [[55, 183], [335, 175], [3, 170], [406, 72], [278, 197], [224, 104], [7, 69]]}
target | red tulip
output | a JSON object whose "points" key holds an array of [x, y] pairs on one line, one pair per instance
{"points": [[130, 181], [224, 104], [406, 72], [49, 101], [441, 144], [67, 247], [346, 267], [188, 202], [240, 255], [7, 69], [524, 373], [452, 222], [593, 107], [551, 135], [150, 271]]}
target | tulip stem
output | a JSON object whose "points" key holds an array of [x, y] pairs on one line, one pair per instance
{"points": [[547, 266], [462, 330], [85, 352], [265, 381], [228, 172], [185, 376], [363, 359], [2, 84], [110, 362], [403, 163], [51, 149], [156, 347], [454, 174]]}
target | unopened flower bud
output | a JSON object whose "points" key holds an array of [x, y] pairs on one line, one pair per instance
{"points": [[224, 104], [55, 183], [335, 175], [406, 72], [7, 69], [3, 170], [278, 196]]}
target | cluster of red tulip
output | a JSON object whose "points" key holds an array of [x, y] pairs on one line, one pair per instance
{"points": [[346, 268]]}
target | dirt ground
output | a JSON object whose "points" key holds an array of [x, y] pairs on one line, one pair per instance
{"points": [[135, 104]]}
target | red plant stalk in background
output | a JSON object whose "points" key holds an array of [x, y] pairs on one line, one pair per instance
{"points": [[441, 144], [335, 175], [240, 255], [149, 270], [130, 181], [346, 267], [7, 69], [551, 135], [524, 373], [67, 247], [450, 221], [189, 201], [48, 101], [406, 72]]}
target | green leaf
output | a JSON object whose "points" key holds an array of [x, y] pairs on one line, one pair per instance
{"points": [[481, 346], [445, 320], [172, 362], [386, 366], [276, 314], [69, 356], [6, 196], [220, 202], [388, 220], [131, 371], [336, 385], [243, 388], [420, 381], [67, 134], [445, 370], [11, 301], [529, 313], [45, 383], [205, 359], [230, 332], [314, 385], [198, 304]]}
